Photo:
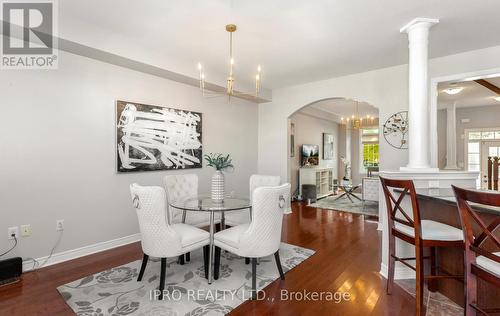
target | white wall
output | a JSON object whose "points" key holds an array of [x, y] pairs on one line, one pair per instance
{"points": [[479, 117], [58, 149], [386, 89], [309, 130]]}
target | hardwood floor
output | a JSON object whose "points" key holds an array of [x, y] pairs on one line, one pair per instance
{"points": [[347, 259]]}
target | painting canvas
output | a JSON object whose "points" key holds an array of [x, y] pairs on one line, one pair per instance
{"points": [[150, 137], [292, 140], [327, 146], [310, 155]]}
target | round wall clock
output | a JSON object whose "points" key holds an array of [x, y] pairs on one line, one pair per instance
{"points": [[396, 130]]}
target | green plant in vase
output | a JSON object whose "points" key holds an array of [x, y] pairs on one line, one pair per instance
{"points": [[220, 163]]}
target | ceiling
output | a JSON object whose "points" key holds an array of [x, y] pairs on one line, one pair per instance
{"points": [[295, 41], [344, 107], [472, 95]]}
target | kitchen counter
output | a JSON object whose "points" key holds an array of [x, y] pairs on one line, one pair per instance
{"points": [[447, 196]]}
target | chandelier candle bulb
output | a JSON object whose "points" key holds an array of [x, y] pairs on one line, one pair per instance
{"points": [[231, 28]]}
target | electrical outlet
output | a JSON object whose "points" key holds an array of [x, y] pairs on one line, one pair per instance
{"points": [[13, 231], [26, 230], [60, 224]]}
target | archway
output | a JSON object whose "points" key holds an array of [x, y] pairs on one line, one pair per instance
{"points": [[327, 126]]}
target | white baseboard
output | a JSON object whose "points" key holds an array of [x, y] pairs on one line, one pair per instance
{"points": [[82, 251], [400, 272]]}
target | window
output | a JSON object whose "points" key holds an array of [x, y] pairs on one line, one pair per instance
{"points": [[369, 148], [480, 135], [473, 151], [473, 160]]}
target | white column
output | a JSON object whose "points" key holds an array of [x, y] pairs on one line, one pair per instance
{"points": [[451, 137], [418, 112]]}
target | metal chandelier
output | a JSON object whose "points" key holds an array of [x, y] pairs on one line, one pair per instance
{"points": [[230, 81]]}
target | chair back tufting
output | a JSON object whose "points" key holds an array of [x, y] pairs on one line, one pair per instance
{"points": [[263, 236], [179, 188], [158, 239]]}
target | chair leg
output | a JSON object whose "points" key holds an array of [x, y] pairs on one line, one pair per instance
{"points": [[247, 260], [254, 278], [278, 263], [432, 283], [205, 260], [391, 262], [181, 260], [470, 287], [216, 263], [162, 276], [419, 293], [188, 256], [145, 259]]}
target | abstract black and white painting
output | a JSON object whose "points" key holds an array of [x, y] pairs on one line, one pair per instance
{"points": [[151, 137]]}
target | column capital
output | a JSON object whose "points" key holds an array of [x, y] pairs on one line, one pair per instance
{"points": [[427, 22]]}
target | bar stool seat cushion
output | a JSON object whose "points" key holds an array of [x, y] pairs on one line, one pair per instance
{"points": [[432, 230], [488, 264]]}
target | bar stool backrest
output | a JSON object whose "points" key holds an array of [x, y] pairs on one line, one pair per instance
{"points": [[394, 204], [480, 238]]}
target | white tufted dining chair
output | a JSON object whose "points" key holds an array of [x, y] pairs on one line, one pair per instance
{"points": [[262, 236], [180, 188], [159, 238], [256, 180]]}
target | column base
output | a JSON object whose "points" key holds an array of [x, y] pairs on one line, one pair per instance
{"points": [[419, 170]]}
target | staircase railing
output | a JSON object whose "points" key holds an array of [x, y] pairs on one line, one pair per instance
{"points": [[493, 173]]}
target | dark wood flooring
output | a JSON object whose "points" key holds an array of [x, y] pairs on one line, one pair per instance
{"points": [[347, 259]]}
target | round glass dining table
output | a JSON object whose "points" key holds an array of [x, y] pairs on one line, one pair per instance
{"points": [[204, 203]]}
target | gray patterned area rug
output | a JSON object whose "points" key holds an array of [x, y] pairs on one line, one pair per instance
{"points": [[345, 205], [117, 292]]}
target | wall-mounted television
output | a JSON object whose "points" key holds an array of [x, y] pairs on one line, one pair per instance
{"points": [[309, 155]]}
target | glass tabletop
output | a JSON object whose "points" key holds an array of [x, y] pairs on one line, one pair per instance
{"points": [[206, 204]]}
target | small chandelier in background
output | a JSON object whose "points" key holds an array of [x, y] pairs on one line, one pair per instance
{"points": [[357, 121], [230, 81]]}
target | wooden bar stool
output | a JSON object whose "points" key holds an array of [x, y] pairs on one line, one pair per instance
{"points": [[482, 246], [418, 232]]}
